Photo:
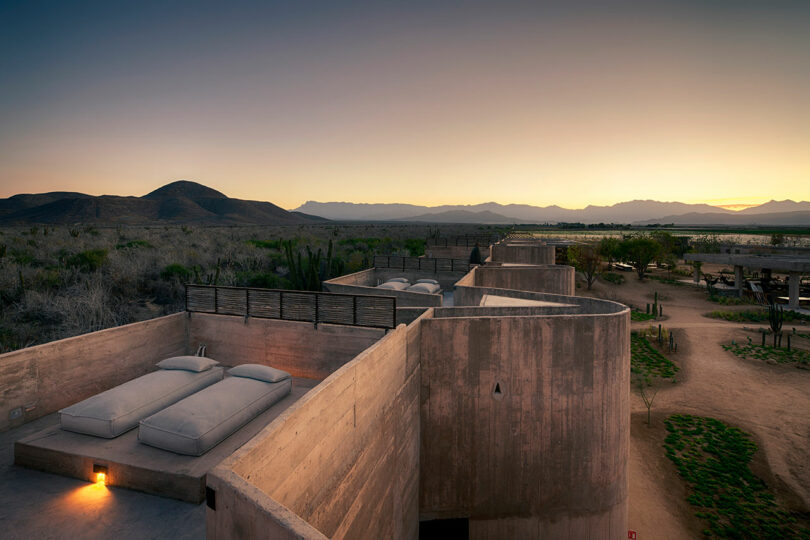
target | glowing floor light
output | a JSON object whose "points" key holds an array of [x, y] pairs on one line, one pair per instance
{"points": [[101, 473]]}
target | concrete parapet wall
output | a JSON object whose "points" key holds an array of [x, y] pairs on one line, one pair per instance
{"points": [[547, 456], [299, 348], [374, 276], [553, 279], [465, 296], [43, 379], [343, 460], [523, 253], [366, 281]]}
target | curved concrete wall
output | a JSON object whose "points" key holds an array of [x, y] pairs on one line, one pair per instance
{"points": [[523, 254], [545, 458]]}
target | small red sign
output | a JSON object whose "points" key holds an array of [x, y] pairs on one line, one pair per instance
{"points": [[631, 535]]}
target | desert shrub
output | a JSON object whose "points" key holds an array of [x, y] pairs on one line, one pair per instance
{"points": [[729, 300], [266, 244], [713, 458], [175, 270], [648, 362], [89, 261], [769, 354], [754, 315], [21, 257], [613, 277], [134, 244], [415, 246], [262, 280], [637, 316]]}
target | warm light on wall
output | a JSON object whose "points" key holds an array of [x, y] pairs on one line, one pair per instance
{"points": [[101, 473]]}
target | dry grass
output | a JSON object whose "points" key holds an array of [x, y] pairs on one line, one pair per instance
{"points": [[57, 282]]}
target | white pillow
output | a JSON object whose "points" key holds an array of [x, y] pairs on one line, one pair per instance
{"points": [[188, 363], [433, 281], [398, 279], [259, 372]]}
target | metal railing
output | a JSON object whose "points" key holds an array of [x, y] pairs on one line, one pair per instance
{"points": [[306, 306], [421, 263], [468, 240]]}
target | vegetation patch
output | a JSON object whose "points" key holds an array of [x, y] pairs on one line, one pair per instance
{"points": [[613, 277], [641, 316], [714, 460], [89, 261], [729, 300], [647, 362], [133, 244], [754, 315], [269, 244], [770, 354]]}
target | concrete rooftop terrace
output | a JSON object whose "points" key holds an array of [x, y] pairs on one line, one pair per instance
{"points": [[377, 446]]}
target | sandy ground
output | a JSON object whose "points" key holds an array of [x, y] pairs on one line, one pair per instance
{"points": [[772, 402]]}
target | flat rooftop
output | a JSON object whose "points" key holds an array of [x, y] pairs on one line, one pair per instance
{"points": [[135, 465], [780, 263], [36, 504]]}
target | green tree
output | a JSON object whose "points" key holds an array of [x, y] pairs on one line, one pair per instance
{"points": [[586, 259], [639, 251], [609, 249]]}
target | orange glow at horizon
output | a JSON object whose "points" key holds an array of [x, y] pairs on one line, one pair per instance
{"points": [[541, 105]]}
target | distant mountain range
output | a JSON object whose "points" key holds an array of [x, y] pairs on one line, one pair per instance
{"points": [[189, 202], [177, 203], [636, 212]]}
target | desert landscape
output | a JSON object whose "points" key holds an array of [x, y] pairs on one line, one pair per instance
{"points": [[765, 398]]}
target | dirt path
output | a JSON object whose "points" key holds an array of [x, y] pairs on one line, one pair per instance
{"points": [[771, 402]]}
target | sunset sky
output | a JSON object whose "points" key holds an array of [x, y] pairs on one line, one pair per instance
{"points": [[417, 102]]}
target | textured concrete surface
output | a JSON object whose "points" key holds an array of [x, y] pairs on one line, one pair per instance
{"points": [[38, 505], [43, 379], [366, 281], [296, 347], [138, 466], [524, 253], [525, 424], [553, 279], [343, 460]]}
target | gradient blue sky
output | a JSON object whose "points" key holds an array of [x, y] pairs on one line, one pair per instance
{"points": [[418, 102]]}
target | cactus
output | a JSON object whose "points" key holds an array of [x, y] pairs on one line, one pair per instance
{"points": [[775, 319]]}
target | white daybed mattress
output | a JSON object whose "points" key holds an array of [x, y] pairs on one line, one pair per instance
{"points": [[429, 288], [199, 422], [119, 409], [394, 285]]}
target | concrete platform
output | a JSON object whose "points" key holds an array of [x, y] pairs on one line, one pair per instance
{"points": [[135, 465], [492, 300]]}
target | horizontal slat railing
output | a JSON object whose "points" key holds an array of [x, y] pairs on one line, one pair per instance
{"points": [[423, 264], [307, 306], [470, 240]]}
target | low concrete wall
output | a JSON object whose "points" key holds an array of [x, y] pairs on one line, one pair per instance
{"points": [[523, 253], [296, 347], [546, 456], [43, 379], [549, 279], [366, 281], [553, 279], [343, 462]]}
